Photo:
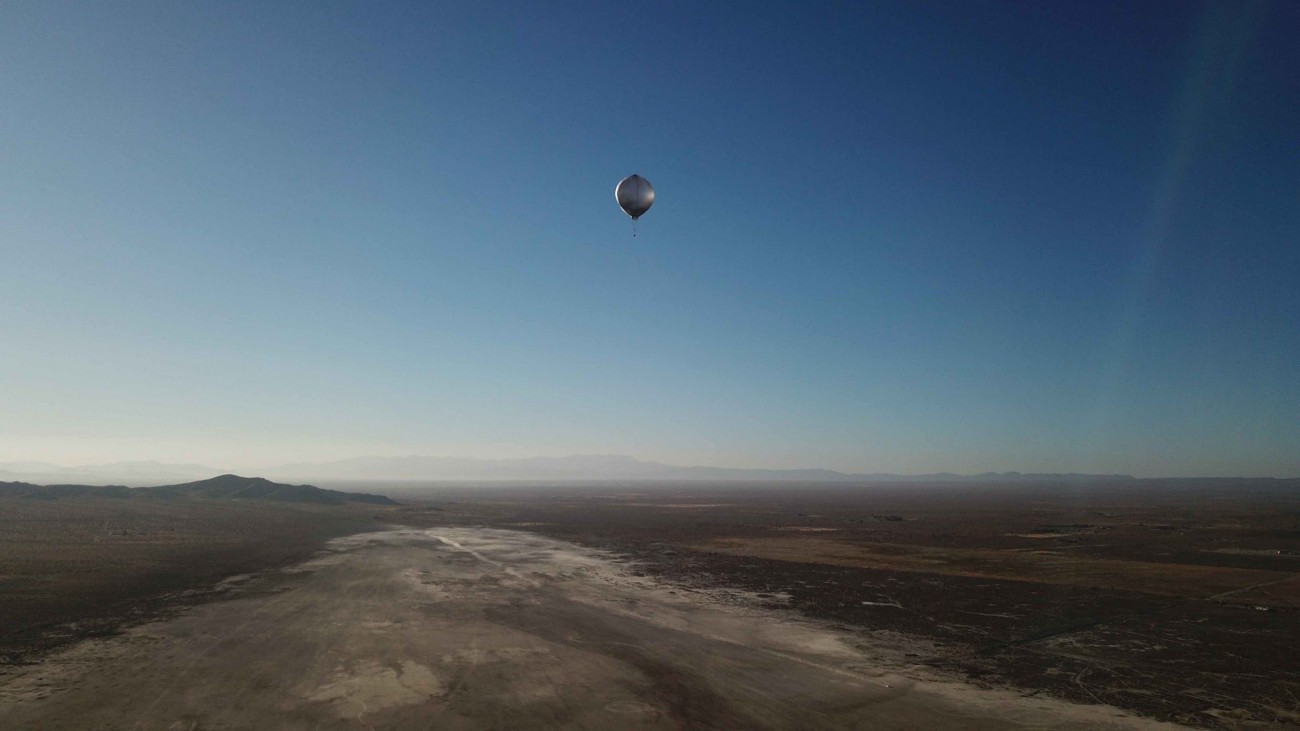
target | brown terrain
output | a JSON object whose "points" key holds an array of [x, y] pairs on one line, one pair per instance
{"points": [[78, 567], [1177, 601]]}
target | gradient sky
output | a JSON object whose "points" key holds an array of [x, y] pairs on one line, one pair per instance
{"points": [[888, 236]]}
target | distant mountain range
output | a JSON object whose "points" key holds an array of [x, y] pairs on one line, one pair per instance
{"points": [[576, 467], [223, 487], [608, 467], [132, 473]]}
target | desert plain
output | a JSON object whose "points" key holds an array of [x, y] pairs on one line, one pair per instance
{"points": [[1137, 604]]}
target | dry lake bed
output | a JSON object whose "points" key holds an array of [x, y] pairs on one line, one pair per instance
{"points": [[465, 627]]}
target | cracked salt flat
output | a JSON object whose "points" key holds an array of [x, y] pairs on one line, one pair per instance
{"points": [[477, 628]]}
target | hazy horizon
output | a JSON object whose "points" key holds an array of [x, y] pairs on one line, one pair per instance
{"points": [[914, 238], [381, 466]]}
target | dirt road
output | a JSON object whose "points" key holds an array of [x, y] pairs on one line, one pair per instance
{"points": [[464, 628]]}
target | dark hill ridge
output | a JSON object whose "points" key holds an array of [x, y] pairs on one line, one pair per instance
{"points": [[225, 487], [54, 492]]}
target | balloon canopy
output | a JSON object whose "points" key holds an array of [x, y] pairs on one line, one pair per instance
{"points": [[635, 195]]}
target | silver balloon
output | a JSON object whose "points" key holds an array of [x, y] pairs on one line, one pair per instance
{"points": [[635, 195]]}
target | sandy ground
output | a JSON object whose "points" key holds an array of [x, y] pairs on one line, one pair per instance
{"points": [[463, 628]]}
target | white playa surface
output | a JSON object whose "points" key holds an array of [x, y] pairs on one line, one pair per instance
{"points": [[476, 628]]}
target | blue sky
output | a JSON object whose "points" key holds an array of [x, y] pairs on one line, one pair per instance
{"points": [[898, 237]]}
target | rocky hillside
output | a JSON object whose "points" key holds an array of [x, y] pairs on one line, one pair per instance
{"points": [[225, 487]]}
